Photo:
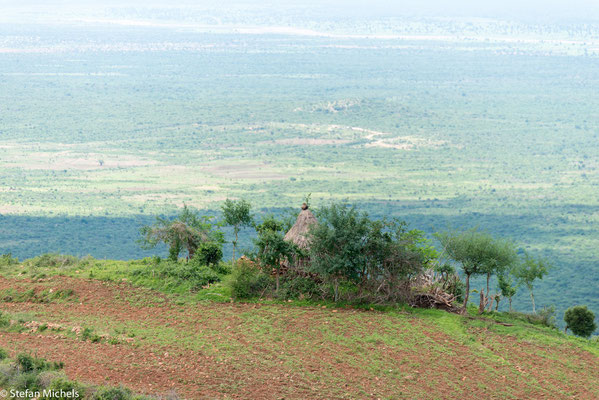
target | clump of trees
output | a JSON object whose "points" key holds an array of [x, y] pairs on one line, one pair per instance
{"points": [[478, 253], [377, 256], [354, 257]]}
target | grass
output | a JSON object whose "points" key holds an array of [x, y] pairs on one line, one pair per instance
{"points": [[402, 348]]}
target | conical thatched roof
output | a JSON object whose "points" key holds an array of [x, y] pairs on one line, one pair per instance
{"points": [[298, 233]]}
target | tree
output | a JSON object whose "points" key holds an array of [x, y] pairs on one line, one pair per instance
{"points": [[272, 248], [188, 230], [237, 213], [337, 244], [529, 270], [472, 249], [507, 287], [580, 320], [501, 255]]}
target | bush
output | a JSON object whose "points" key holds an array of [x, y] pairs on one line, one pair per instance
{"points": [[27, 380], [191, 273], [53, 261], [27, 363], [63, 385], [380, 256], [249, 281], [580, 320], [3, 354], [221, 268], [299, 287], [545, 317], [209, 253], [113, 394], [7, 260]]}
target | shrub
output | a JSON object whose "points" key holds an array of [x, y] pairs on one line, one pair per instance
{"points": [[25, 362], [545, 317], [209, 253], [119, 393], [249, 281], [7, 260], [53, 261], [299, 287], [197, 275], [191, 273], [27, 380], [221, 268], [71, 390], [3, 354], [580, 320]]}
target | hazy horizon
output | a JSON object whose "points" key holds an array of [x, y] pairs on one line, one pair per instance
{"points": [[527, 11]]}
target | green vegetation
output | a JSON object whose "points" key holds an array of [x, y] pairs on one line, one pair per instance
{"points": [[28, 375], [189, 231], [237, 213], [580, 320], [530, 270], [377, 256], [273, 250], [478, 253]]}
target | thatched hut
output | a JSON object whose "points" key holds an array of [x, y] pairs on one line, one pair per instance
{"points": [[298, 233]]}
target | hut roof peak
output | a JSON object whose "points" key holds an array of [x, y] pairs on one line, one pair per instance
{"points": [[298, 233]]}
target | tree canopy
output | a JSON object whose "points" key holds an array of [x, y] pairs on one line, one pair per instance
{"points": [[187, 231]]}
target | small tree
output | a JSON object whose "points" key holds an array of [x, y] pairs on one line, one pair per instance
{"points": [[580, 320], [470, 249], [188, 230], [507, 287], [272, 248], [237, 213], [501, 255], [529, 270]]}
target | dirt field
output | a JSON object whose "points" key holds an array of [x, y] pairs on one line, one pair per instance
{"points": [[155, 344]]}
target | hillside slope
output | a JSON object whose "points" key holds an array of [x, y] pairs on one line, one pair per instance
{"points": [[160, 344]]}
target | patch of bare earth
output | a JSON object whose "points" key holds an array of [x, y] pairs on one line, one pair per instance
{"points": [[255, 351]]}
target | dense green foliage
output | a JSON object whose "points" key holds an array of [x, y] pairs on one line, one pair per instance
{"points": [[249, 281], [376, 255], [174, 274], [580, 320], [273, 251]]}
